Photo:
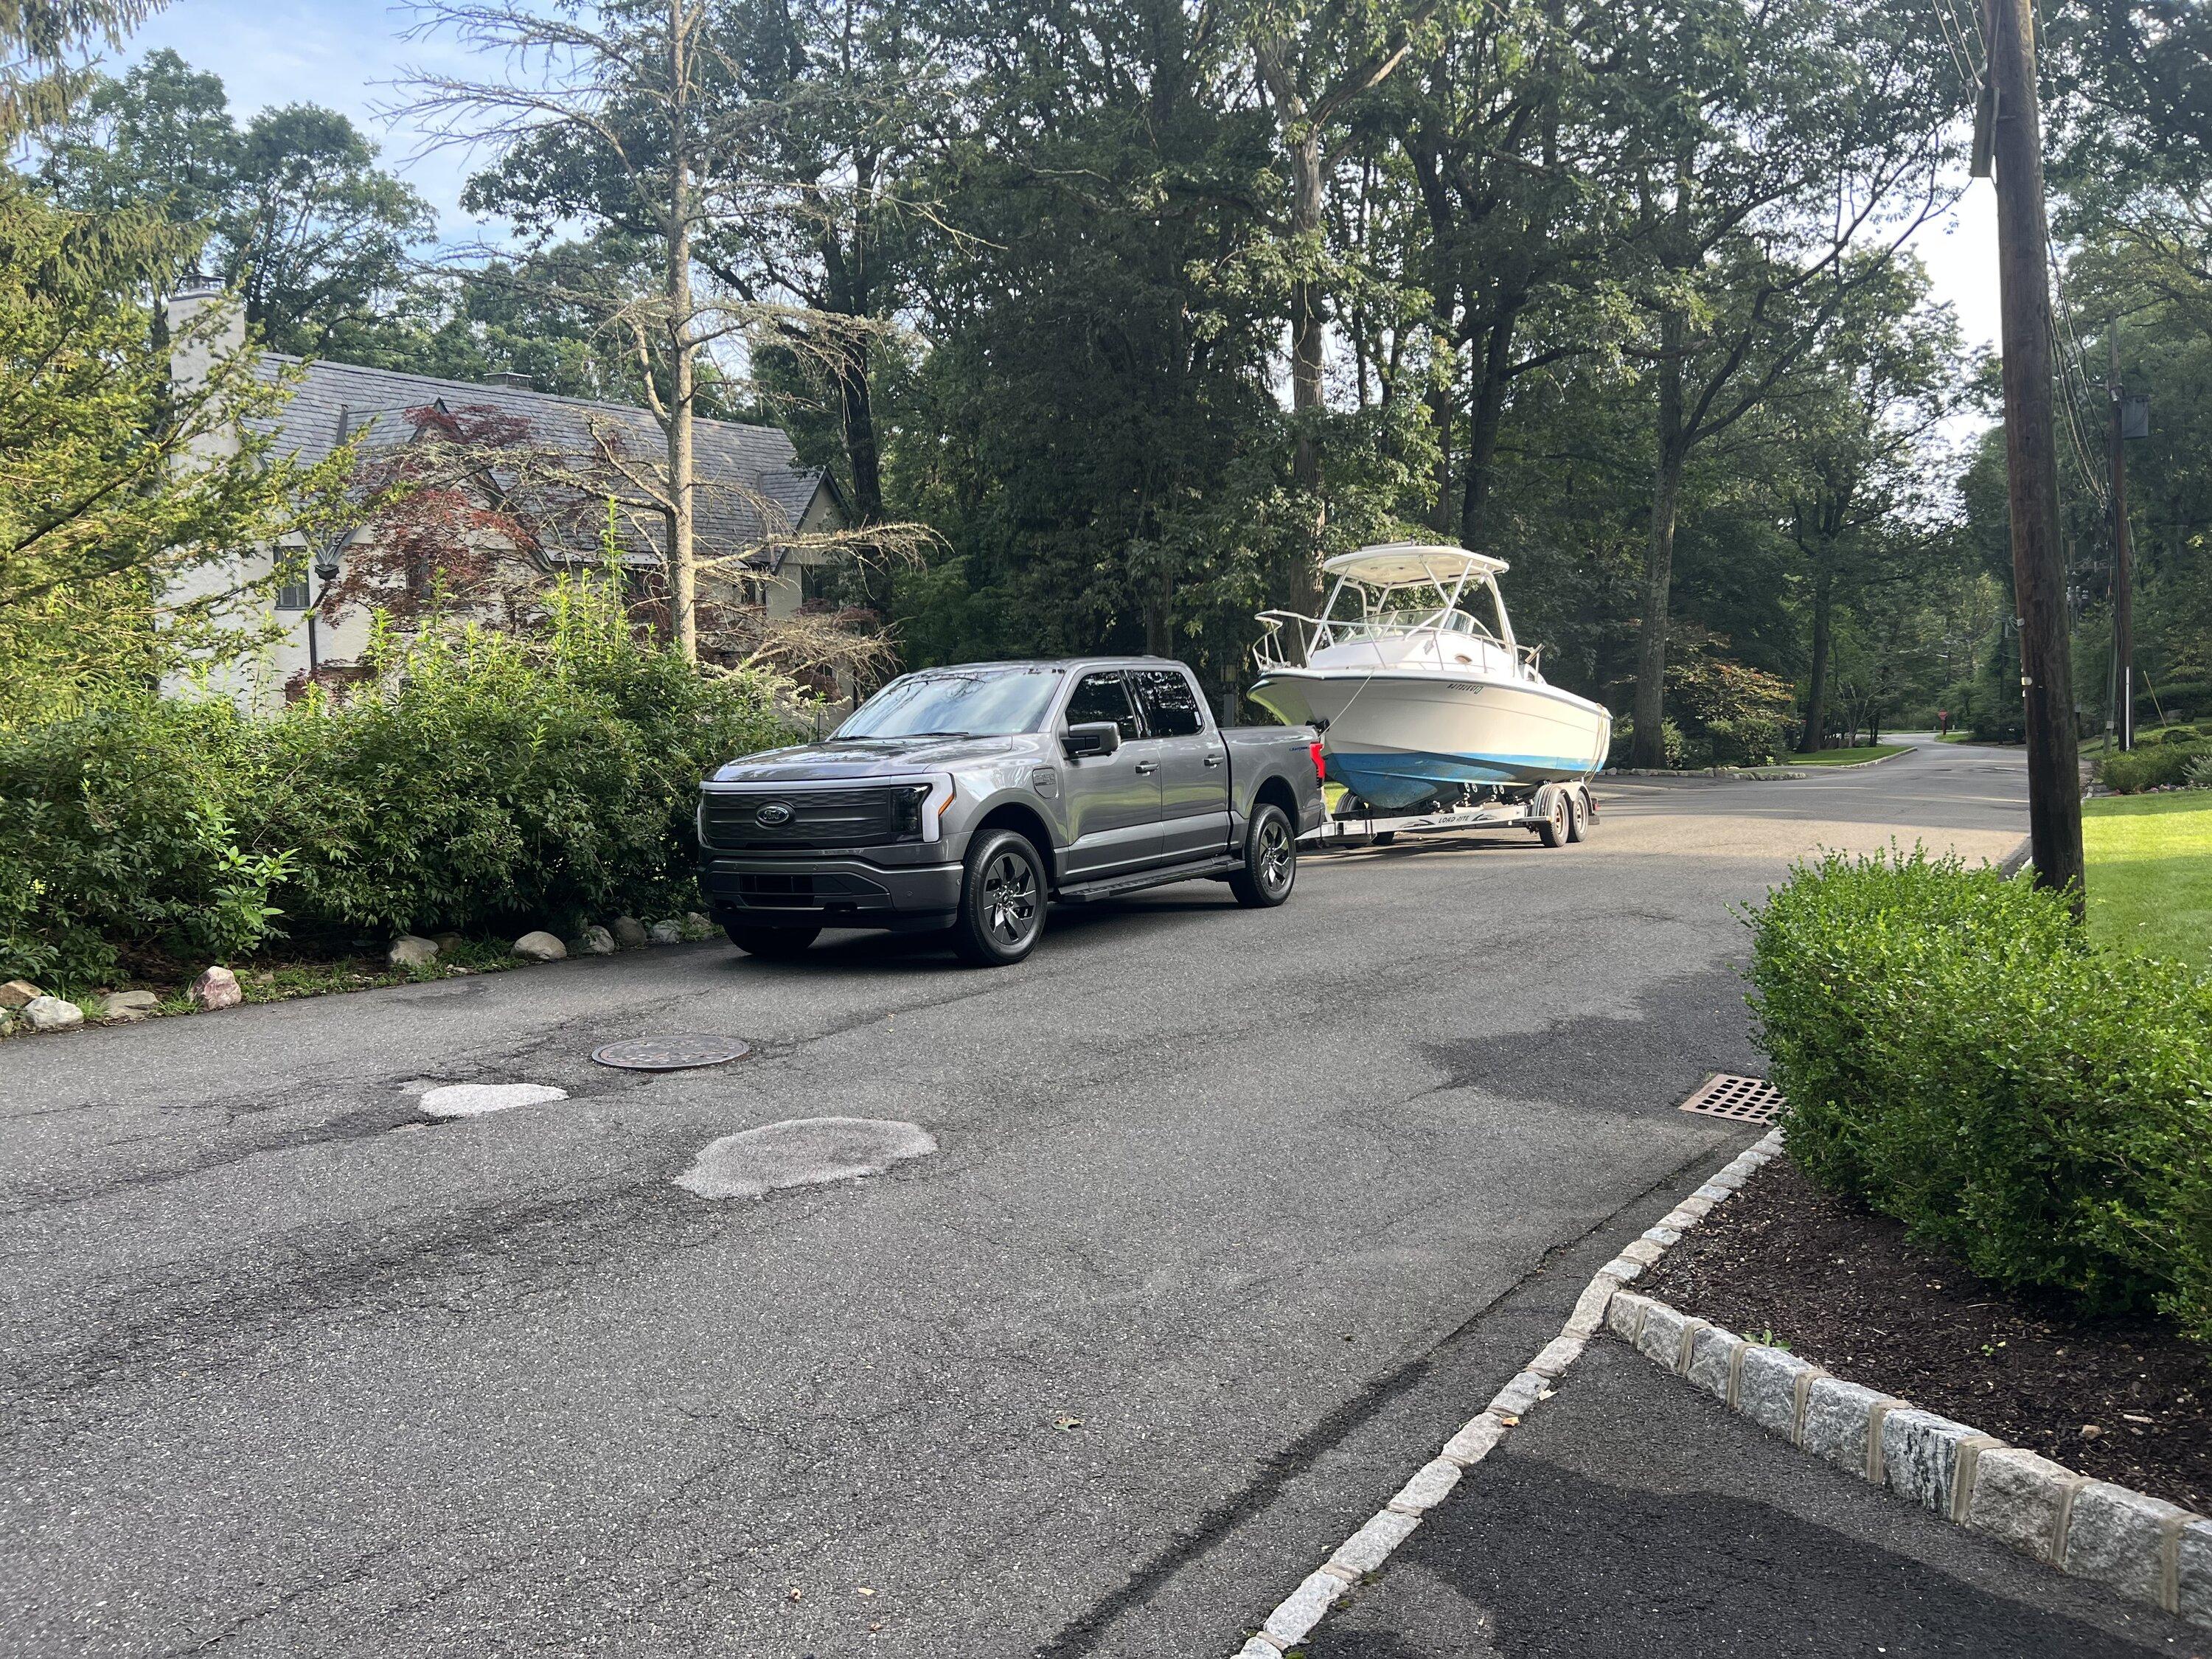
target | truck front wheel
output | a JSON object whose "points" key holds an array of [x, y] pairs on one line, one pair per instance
{"points": [[1271, 862], [1002, 901]]}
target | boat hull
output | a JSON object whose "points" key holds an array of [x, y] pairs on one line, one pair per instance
{"points": [[1397, 740]]}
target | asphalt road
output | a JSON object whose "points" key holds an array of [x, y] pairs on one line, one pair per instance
{"points": [[1233, 1215]]}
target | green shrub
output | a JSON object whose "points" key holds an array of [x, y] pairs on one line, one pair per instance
{"points": [[1956, 1055], [120, 828], [481, 781], [2152, 766]]}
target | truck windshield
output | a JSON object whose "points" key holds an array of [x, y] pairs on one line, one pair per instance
{"points": [[978, 704]]}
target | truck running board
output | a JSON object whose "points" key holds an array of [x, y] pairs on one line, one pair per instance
{"points": [[1084, 892]]}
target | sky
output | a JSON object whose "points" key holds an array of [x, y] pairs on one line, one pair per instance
{"points": [[346, 53]]}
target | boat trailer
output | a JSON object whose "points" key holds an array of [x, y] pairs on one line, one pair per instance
{"points": [[1558, 812]]}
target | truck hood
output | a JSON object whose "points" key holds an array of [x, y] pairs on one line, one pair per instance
{"points": [[866, 758]]}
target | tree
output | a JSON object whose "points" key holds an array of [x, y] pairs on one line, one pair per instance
{"points": [[291, 211], [633, 115], [1772, 181]]}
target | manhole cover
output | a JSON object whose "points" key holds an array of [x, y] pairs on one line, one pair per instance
{"points": [[669, 1053], [1739, 1099]]}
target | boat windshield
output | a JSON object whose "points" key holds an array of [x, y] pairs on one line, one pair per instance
{"points": [[1404, 619], [972, 702]]}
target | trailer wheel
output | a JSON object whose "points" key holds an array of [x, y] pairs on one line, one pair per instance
{"points": [[1578, 815], [1553, 830]]}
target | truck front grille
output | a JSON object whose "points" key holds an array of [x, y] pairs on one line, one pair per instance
{"points": [[820, 818]]}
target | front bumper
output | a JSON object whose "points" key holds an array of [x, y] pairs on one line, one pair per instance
{"points": [[827, 892]]}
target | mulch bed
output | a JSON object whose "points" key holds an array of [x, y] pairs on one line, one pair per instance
{"points": [[1784, 1263]]}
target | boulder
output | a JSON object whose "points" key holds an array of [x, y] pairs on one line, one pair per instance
{"points": [[540, 946], [51, 1014], [697, 926], [447, 943], [216, 988], [593, 941], [128, 1005], [18, 992], [412, 951], [629, 932], [666, 933]]}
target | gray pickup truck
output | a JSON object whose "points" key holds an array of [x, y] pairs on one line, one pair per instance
{"points": [[965, 798]]}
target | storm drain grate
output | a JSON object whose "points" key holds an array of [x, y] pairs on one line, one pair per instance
{"points": [[1738, 1099], [671, 1053]]}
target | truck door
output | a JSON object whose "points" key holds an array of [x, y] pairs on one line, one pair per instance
{"points": [[1113, 801], [1194, 764]]}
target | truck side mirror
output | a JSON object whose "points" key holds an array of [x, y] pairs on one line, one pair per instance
{"points": [[1091, 737]]}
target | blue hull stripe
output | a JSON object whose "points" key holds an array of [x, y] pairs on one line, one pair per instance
{"points": [[1401, 779]]}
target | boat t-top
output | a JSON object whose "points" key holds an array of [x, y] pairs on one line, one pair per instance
{"points": [[1422, 694]]}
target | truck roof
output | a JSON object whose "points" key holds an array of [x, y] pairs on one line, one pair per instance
{"points": [[1062, 663]]}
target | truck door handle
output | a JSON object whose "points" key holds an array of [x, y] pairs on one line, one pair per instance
{"points": [[1213, 760], [1145, 767]]}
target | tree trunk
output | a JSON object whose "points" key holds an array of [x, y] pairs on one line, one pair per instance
{"points": [[1306, 304], [1485, 418], [1816, 695], [856, 410], [1650, 745], [683, 561]]}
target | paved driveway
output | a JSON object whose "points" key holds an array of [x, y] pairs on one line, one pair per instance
{"points": [[1234, 1214]]}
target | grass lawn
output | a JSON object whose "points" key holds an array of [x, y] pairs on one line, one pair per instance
{"points": [[2150, 872], [1849, 757]]}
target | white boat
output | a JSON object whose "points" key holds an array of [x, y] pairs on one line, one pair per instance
{"points": [[1420, 699]]}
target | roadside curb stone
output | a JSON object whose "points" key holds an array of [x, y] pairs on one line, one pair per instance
{"points": [[2017, 1497], [2118, 1537], [1837, 1413], [1766, 1388], [1920, 1456], [1713, 1359]]}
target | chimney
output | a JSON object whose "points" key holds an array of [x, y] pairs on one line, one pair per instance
{"points": [[206, 325]]}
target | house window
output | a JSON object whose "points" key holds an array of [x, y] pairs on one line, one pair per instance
{"points": [[293, 596]]}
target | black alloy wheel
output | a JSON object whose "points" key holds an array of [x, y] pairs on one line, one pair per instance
{"points": [[1002, 901], [1271, 860]]}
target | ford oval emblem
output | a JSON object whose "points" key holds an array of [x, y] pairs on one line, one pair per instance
{"points": [[775, 812]]}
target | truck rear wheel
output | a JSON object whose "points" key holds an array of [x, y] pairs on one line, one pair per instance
{"points": [[1002, 901], [1271, 862]]}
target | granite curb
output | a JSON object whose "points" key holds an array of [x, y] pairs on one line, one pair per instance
{"points": [[1368, 1547], [2142, 1547]]}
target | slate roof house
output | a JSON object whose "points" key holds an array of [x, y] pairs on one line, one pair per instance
{"points": [[753, 498]]}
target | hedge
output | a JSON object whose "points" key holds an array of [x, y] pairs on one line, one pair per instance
{"points": [[2152, 766], [1955, 1054], [485, 783]]}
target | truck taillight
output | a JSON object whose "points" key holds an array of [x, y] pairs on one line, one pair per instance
{"points": [[1321, 766]]}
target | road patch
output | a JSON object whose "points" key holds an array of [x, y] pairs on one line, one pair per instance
{"points": [[476, 1099], [804, 1151]]}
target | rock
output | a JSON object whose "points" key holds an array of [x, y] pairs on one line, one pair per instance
{"points": [[19, 993], [540, 947], [216, 988], [447, 943], [593, 941], [629, 932], [128, 1005], [666, 933], [51, 1014], [412, 951], [697, 926]]}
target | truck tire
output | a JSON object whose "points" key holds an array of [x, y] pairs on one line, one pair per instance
{"points": [[770, 943], [1002, 901], [1271, 860], [1558, 815], [1578, 815]]}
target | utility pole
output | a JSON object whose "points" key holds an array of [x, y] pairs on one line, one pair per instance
{"points": [[2015, 146], [2123, 568]]}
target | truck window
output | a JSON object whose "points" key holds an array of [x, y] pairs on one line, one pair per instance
{"points": [[1170, 702], [1103, 698]]}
